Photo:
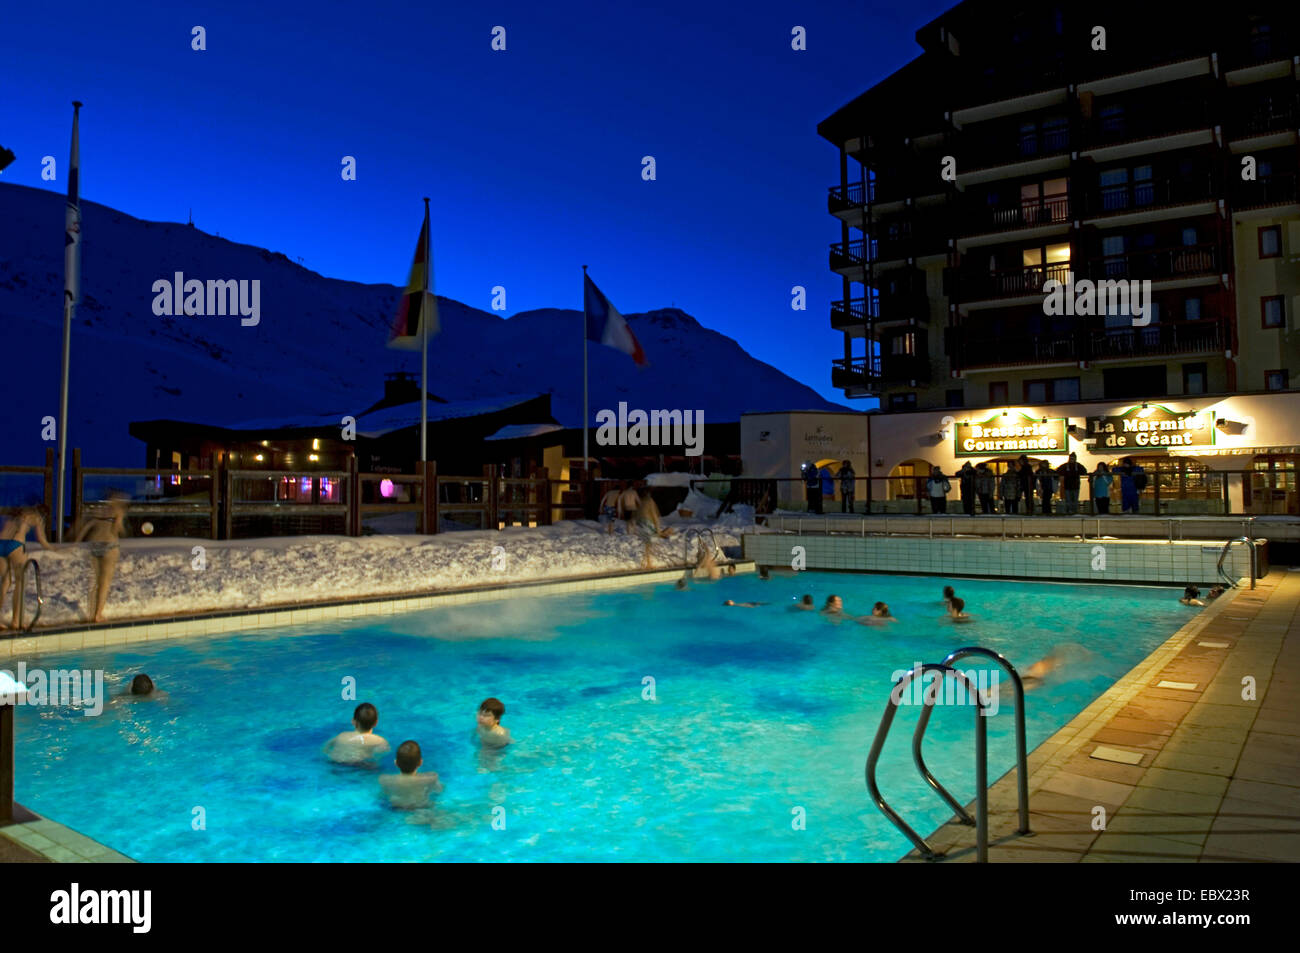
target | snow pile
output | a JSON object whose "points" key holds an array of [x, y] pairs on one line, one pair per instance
{"points": [[164, 577]]}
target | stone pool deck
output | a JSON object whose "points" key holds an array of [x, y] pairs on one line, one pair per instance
{"points": [[1214, 777]]}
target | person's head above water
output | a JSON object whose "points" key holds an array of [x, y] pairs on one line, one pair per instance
{"points": [[491, 709], [833, 603], [1191, 592], [142, 684], [957, 604], [729, 602], [880, 609], [409, 757], [680, 584], [948, 592], [807, 600], [365, 717]]}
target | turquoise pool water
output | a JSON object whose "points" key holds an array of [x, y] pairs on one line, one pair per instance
{"points": [[758, 714]]}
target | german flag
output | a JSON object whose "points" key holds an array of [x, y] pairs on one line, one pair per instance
{"points": [[418, 303]]}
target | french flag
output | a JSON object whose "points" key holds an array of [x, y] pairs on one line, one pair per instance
{"points": [[606, 326]]}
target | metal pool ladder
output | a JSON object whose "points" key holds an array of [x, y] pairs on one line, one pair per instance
{"points": [[1232, 583], [20, 590], [981, 819]]}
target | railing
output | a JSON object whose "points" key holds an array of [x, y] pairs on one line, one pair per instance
{"points": [[1269, 114], [1190, 337], [1274, 190], [1144, 120], [855, 372], [855, 195], [904, 307], [20, 595], [984, 219], [1156, 264], [850, 254], [1008, 145], [1171, 492], [972, 285], [1151, 194], [1250, 544], [13, 499]]}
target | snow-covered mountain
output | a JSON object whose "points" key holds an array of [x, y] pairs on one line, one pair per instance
{"points": [[319, 347]]}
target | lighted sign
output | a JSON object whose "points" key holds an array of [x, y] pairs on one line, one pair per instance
{"points": [[1153, 427], [1008, 434]]}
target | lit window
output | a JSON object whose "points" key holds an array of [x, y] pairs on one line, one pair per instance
{"points": [[1273, 310], [1276, 380], [1270, 241]]}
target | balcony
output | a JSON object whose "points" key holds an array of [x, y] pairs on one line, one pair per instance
{"points": [[1085, 344], [1266, 115], [1143, 120], [987, 219], [1275, 190], [855, 196], [972, 285], [1186, 337], [1008, 146], [1104, 200], [856, 312], [1157, 264], [1001, 83], [857, 373], [1264, 47]]}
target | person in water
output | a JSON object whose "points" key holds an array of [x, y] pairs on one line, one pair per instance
{"points": [[142, 688], [410, 790], [707, 565], [1191, 597], [360, 744], [491, 732], [834, 606], [13, 552], [1215, 592], [948, 593], [1034, 676], [805, 604], [102, 532], [744, 605], [881, 611], [957, 610]]}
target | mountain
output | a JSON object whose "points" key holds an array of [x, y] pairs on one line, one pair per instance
{"points": [[319, 346]]}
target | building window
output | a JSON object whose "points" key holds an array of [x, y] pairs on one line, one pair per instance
{"points": [[1277, 380], [1053, 389], [1195, 378], [1270, 241], [955, 398], [903, 344], [1273, 311], [997, 392], [902, 401], [1192, 309]]}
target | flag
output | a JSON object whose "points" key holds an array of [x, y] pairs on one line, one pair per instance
{"points": [[417, 303], [72, 223], [6, 157], [606, 326]]}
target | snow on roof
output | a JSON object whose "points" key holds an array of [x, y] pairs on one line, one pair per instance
{"points": [[388, 419], [511, 431]]}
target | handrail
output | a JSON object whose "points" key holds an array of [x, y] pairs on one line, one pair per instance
{"points": [[20, 590], [1223, 555], [981, 819], [1022, 747]]}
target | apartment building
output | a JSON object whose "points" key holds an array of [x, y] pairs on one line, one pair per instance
{"points": [[1032, 152]]}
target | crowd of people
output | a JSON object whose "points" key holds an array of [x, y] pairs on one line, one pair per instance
{"points": [[1056, 491]]}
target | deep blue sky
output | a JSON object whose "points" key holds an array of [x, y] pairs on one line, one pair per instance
{"points": [[532, 157]]}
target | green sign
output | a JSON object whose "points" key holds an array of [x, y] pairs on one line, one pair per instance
{"points": [[1152, 428], [1008, 434]]}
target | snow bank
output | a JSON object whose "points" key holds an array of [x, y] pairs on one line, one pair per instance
{"points": [[163, 577]]}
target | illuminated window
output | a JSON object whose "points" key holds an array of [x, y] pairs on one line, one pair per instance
{"points": [[1273, 311]]}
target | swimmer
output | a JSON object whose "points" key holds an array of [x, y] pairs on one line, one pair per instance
{"points": [[763, 573], [881, 611], [948, 593], [142, 688], [490, 731], [746, 605], [957, 610], [1033, 676], [361, 744], [13, 551], [834, 606], [1216, 592], [409, 790], [707, 566], [680, 584], [805, 604], [1191, 597]]}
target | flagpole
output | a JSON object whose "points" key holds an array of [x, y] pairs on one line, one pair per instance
{"points": [[424, 342], [585, 458], [71, 292]]}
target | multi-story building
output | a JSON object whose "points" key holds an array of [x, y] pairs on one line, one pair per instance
{"points": [[1040, 142]]}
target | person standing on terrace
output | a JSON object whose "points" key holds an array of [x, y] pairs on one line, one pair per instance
{"points": [[1046, 481], [847, 489], [966, 483], [1101, 481], [938, 488], [1026, 474], [1070, 473], [985, 486], [812, 482], [1011, 489]]}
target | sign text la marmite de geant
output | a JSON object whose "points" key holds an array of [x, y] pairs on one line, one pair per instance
{"points": [[1160, 428], [1010, 434]]}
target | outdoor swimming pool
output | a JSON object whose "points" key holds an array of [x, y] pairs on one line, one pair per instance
{"points": [[757, 713]]}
